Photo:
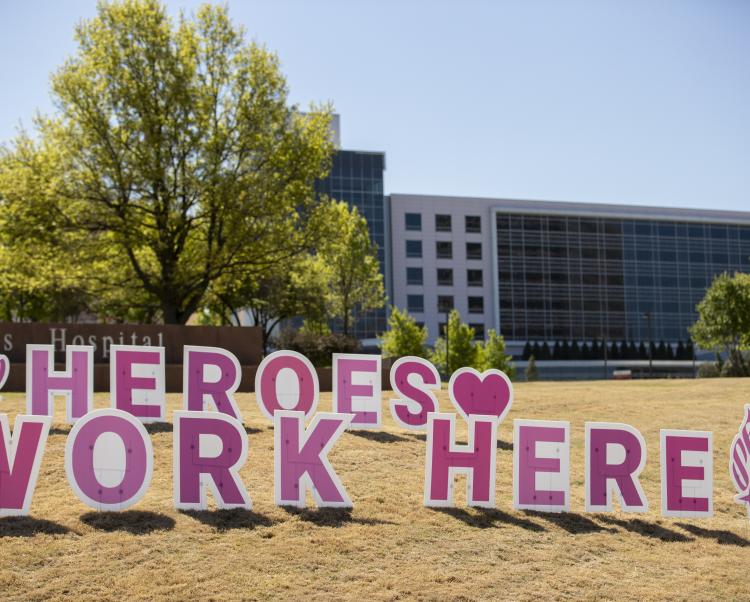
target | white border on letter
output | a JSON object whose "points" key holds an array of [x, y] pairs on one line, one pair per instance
{"points": [[563, 456], [708, 472], [611, 483], [426, 388]]}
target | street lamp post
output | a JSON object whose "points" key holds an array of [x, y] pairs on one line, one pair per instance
{"points": [[447, 345], [606, 358], [692, 347], [647, 315]]}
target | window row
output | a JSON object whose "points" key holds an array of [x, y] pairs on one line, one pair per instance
{"points": [[445, 303], [612, 226], [443, 223], [443, 249], [415, 276]]}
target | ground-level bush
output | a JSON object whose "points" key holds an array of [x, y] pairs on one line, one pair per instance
{"points": [[318, 348], [708, 370]]}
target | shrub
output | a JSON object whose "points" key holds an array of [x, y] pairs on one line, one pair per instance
{"points": [[404, 336], [461, 348], [708, 370], [317, 347], [491, 354], [532, 373], [734, 366]]}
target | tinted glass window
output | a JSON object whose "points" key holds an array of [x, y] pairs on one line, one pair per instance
{"points": [[444, 303], [445, 276], [413, 221], [415, 303], [473, 250], [414, 248], [478, 331], [476, 305], [443, 223], [474, 277], [444, 249], [473, 223], [414, 276]]}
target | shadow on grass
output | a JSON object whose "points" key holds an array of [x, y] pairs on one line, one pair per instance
{"points": [[485, 518], [135, 522], [571, 522], [251, 430], [332, 517], [503, 445], [59, 430], [726, 538], [26, 526], [154, 428], [646, 529], [228, 520], [379, 436]]}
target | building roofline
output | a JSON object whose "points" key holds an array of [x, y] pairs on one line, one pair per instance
{"points": [[594, 209], [361, 152]]}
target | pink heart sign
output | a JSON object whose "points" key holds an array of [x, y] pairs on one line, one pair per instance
{"points": [[487, 394]]}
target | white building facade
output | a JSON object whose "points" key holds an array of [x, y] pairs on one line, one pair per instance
{"points": [[441, 249]]}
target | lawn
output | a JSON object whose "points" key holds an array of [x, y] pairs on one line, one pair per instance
{"points": [[389, 546]]}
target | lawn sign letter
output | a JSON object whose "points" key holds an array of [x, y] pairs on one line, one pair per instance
{"points": [[739, 462], [109, 455]]}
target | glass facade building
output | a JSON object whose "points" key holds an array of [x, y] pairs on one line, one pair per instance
{"points": [[562, 273], [579, 278], [357, 178]]}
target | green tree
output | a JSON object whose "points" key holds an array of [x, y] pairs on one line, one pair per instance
{"points": [[350, 261], [404, 336], [491, 354], [39, 271], [461, 350], [295, 287], [531, 373], [179, 159], [724, 320]]}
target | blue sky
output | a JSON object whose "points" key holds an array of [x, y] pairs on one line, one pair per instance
{"points": [[642, 102]]}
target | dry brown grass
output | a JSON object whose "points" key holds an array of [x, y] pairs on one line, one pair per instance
{"points": [[390, 546]]}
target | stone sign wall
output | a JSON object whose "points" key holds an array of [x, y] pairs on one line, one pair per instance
{"points": [[244, 342]]}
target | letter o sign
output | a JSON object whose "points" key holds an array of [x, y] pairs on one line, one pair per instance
{"points": [[286, 380]]}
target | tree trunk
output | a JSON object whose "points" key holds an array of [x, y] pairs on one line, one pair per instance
{"points": [[171, 314]]}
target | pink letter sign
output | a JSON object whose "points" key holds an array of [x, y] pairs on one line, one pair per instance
{"points": [[109, 459], [137, 381], [301, 459], [487, 394], [209, 450], [286, 380], [20, 458], [43, 382], [445, 459], [687, 469], [210, 376], [615, 457], [356, 388], [541, 465], [739, 462], [414, 379]]}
